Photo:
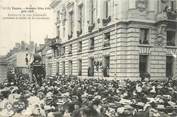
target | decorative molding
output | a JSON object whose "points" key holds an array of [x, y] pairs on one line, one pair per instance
{"points": [[145, 49], [141, 5], [171, 51]]}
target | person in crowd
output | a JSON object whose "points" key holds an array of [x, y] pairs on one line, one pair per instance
{"points": [[73, 97]]}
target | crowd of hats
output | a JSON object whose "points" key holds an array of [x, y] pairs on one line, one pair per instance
{"points": [[73, 97]]}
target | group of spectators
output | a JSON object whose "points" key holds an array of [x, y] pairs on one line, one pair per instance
{"points": [[73, 97]]}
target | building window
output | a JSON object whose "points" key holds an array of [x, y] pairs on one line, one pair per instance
{"points": [[58, 51], [64, 31], [70, 49], [58, 31], [143, 65], [81, 15], [169, 66], [92, 43], [171, 38], [79, 67], [80, 46], [70, 67], [63, 64], [144, 36], [92, 15], [106, 42], [173, 5], [63, 21], [91, 67], [106, 66], [92, 11], [106, 8], [55, 52], [58, 68], [107, 15], [49, 69], [71, 17], [63, 51]]}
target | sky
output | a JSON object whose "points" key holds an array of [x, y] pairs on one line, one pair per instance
{"points": [[17, 30]]}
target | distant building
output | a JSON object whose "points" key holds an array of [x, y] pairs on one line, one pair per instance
{"points": [[122, 39], [20, 56], [3, 69], [47, 54]]}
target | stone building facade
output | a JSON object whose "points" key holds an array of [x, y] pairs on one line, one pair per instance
{"points": [[115, 39]]}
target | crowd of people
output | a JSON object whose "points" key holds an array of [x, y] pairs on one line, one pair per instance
{"points": [[73, 97]]}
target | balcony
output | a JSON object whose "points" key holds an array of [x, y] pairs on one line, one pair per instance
{"points": [[55, 42], [144, 42], [106, 21], [91, 27], [79, 33], [167, 15], [171, 14]]}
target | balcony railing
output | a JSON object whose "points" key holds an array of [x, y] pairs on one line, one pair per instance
{"points": [[171, 14], [144, 42], [91, 27], [106, 21]]}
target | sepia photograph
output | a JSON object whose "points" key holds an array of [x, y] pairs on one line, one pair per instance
{"points": [[88, 58]]}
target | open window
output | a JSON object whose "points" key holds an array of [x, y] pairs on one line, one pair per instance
{"points": [[91, 67], [171, 38], [144, 36], [106, 66], [169, 66], [79, 67]]}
